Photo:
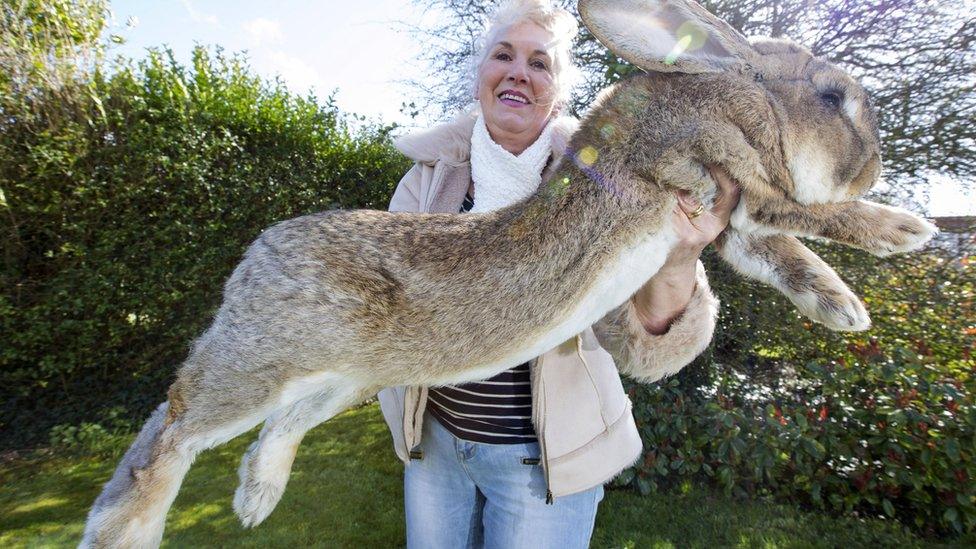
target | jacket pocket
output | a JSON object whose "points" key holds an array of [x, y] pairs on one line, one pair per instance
{"points": [[604, 376], [573, 414]]}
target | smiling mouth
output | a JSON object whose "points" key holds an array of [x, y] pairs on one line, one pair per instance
{"points": [[516, 99]]}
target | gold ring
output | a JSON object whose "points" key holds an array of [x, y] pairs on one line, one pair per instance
{"points": [[698, 211]]}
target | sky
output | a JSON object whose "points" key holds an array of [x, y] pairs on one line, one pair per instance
{"points": [[361, 51]]}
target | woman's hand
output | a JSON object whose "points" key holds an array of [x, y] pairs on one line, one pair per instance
{"points": [[668, 292]]}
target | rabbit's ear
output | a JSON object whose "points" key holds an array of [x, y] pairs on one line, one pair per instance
{"points": [[670, 36]]}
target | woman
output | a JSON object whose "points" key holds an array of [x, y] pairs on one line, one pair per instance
{"points": [[519, 460]]}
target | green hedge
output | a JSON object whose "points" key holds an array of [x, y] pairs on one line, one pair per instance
{"points": [[879, 423], [126, 201]]}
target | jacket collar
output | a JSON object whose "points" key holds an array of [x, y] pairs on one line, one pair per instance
{"points": [[451, 141]]}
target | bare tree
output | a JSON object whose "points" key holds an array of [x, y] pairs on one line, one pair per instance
{"points": [[918, 58]]}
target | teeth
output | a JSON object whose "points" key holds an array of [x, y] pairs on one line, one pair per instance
{"points": [[514, 98]]}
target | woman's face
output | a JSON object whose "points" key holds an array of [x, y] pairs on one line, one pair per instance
{"points": [[516, 87]]}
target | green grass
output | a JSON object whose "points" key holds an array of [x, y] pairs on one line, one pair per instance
{"points": [[345, 491], [698, 519]]}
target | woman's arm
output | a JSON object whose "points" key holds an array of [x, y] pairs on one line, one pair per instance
{"points": [[670, 321], [667, 293]]}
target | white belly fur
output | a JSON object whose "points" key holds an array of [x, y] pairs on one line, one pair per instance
{"points": [[619, 280], [297, 389]]}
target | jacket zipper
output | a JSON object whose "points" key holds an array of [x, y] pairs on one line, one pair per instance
{"points": [[540, 402], [403, 421]]}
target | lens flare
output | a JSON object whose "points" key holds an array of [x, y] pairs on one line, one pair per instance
{"points": [[558, 187], [591, 173], [690, 37], [679, 47], [588, 155]]}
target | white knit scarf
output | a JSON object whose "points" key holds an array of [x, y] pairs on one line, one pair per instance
{"points": [[501, 178]]}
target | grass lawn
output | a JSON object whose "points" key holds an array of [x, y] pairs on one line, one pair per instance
{"points": [[345, 491]]}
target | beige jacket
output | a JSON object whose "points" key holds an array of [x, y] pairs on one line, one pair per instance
{"points": [[580, 412]]}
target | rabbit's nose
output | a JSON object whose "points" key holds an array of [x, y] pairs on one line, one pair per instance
{"points": [[867, 178]]}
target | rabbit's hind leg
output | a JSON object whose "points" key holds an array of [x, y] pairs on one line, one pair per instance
{"points": [[266, 465], [131, 510]]}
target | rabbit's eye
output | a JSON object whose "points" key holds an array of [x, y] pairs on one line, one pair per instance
{"points": [[832, 98]]}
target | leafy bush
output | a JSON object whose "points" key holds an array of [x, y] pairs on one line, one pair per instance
{"points": [[126, 199], [881, 423], [108, 438]]}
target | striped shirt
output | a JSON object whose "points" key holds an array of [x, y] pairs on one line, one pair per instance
{"points": [[497, 410]]}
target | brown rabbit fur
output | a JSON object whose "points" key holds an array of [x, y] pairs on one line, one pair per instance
{"points": [[326, 309]]}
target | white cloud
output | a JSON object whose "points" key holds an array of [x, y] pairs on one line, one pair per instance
{"points": [[299, 75], [264, 31], [198, 16]]}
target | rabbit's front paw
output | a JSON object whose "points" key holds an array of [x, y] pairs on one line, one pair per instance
{"points": [[840, 311], [821, 295], [901, 231]]}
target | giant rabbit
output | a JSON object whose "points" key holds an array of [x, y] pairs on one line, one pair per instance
{"points": [[326, 309]]}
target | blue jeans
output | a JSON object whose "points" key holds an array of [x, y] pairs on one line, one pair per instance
{"points": [[469, 494]]}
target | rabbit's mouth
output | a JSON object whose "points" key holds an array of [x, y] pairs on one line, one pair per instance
{"points": [[866, 178]]}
